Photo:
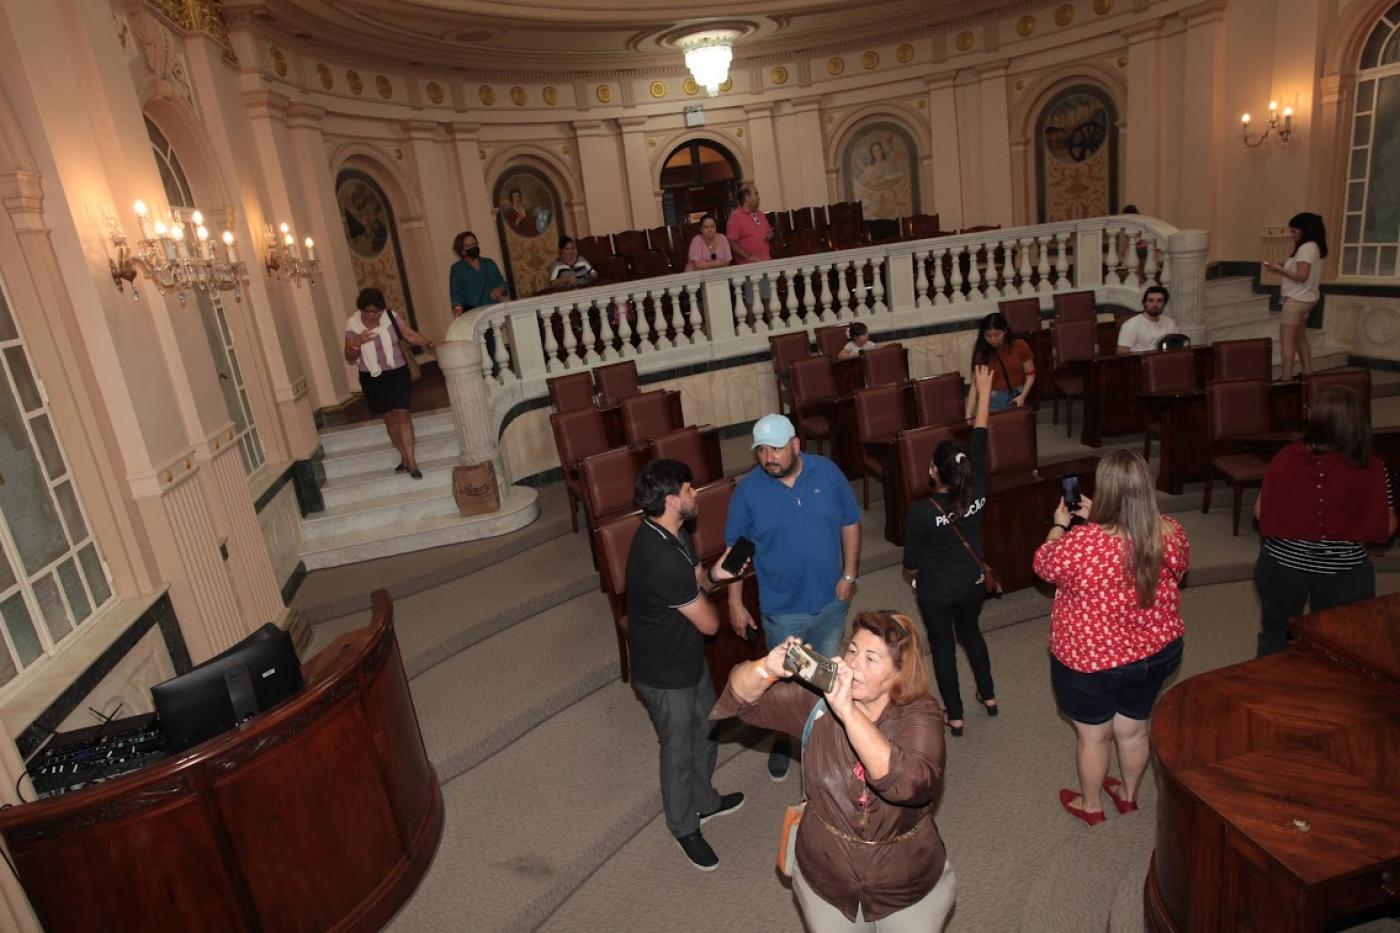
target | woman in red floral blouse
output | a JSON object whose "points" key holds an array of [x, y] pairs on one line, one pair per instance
{"points": [[1115, 627]]}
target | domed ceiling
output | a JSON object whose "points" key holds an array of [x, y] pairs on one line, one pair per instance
{"points": [[585, 35]]}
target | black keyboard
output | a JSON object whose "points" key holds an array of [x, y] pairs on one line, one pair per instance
{"points": [[73, 760]]}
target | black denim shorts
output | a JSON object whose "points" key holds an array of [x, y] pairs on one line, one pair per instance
{"points": [[1130, 690]]}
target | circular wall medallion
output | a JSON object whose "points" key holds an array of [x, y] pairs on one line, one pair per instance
{"points": [[690, 87], [324, 72], [604, 93], [835, 66], [487, 95], [739, 132], [435, 92], [550, 95], [1025, 25], [778, 75], [904, 54], [1103, 7], [518, 96], [870, 61], [964, 40], [1064, 14], [726, 86], [398, 154], [565, 149], [658, 89], [352, 78], [384, 87], [651, 144], [279, 63]]}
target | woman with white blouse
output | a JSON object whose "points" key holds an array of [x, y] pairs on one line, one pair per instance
{"points": [[1300, 288]]}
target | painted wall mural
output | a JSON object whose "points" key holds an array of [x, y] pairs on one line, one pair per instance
{"points": [[880, 166], [1077, 156], [529, 220], [375, 253]]}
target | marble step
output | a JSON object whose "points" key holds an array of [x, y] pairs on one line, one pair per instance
{"points": [[413, 502], [1229, 288], [375, 484], [367, 434], [383, 457]]}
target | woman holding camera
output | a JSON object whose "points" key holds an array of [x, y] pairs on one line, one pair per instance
{"points": [[943, 559], [868, 854], [1115, 627]]}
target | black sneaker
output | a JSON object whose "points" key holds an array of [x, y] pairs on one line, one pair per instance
{"points": [[779, 759], [401, 468], [727, 804], [698, 851]]}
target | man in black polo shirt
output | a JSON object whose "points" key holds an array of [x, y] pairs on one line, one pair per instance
{"points": [[668, 615]]}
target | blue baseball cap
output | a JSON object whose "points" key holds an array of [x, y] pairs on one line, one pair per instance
{"points": [[772, 431]]}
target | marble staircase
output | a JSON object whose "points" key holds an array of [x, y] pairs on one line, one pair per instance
{"points": [[1237, 312]]}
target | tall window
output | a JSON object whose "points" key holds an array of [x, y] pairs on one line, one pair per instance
{"points": [[211, 313], [1371, 233], [51, 577]]}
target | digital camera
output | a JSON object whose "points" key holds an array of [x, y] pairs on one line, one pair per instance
{"points": [[808, 665]]}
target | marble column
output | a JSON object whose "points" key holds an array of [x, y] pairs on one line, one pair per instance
{"points": [[994, 170], [1143, 152], [599, 159], [811, 149], [441, 218], [1186, 252], [947, 154], [645, 212], [1201, 130], [763, 145], [460, 357]]}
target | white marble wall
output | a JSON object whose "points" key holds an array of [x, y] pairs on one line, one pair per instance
{"points": [[280, 522], [1365, 325]]}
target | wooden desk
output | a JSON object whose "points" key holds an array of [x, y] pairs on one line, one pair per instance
{"points": [[1279, 807], [322, 814], [1184, 453]]}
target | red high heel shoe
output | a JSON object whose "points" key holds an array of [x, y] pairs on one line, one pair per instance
{"points": [[1124, 806], [1090, 819]]}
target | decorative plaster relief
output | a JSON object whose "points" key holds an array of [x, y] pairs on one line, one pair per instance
{"points": [[487, 95], [778, 75], [1103, 7], [384, 86], [550, 95], [726, 86], [1025, 25], [352, 78], [1064, 14], [164, 59], [904, 54], [658, 89], [870, 61], [965, 40], [518, 96], [323, 71], [435, 92], [604, 94], [835, 66], [690, 87], [279, 63]]}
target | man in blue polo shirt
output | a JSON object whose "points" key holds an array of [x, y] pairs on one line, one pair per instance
{"points": [[799, 511]]}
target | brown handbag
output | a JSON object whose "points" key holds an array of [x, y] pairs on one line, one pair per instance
{"points": [[989, 577]]}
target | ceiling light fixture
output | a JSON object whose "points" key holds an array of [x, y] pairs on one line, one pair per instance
{"points": [[707, 55]]}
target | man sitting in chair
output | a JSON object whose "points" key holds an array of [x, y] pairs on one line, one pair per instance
{"points": [[1141, 332]]}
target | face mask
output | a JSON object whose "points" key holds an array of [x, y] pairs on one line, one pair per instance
{"points": [[473, 252]]}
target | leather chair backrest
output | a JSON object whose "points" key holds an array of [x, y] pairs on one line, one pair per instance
{"points": [[613, 542], [880, 412], [831, 340], [887, 364], [650, 263], [1074, 341], [630, 242], [1023, 314], [803, 243], [1236, 407], [812, 380], [688, 446], [785, 349], [659, 238], [711, 510], [939, 399], [1076, 306], [577, 434], [1169, 371], [609, 480], [646, 416], [916, 447], [1011, 446], [802, 219], [616, 382], [1244, 359], [921, 226], [611, 268], [594, 248], [570, 391], [1357, 379]]}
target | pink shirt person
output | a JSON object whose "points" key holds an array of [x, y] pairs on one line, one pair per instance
{"points": [[750, 230], [704, 252]]}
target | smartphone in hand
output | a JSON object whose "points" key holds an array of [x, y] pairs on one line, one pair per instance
{"points": [[739, 555], [1069, 489]]}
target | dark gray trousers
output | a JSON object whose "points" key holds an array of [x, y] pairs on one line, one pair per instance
{"points": [[688, 752]]}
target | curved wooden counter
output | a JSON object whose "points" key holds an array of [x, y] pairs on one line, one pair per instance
{"points": [[322, 814], [1279, 782]]}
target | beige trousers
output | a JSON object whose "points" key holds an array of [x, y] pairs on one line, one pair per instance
{"points": [[926, 916]]}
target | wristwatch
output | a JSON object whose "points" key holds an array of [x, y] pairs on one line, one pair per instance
{"points": [[848, 578]]}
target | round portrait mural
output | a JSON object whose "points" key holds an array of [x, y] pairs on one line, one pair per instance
{"points": [[880, 166], [1077, 156], [373, 238], [528, 219]]}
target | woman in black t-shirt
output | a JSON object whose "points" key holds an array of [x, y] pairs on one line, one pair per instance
{"points": [[945, 566]]}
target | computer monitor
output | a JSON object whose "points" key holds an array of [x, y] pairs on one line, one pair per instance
{"points": [[230, 688]]}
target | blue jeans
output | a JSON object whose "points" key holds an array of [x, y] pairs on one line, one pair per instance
{"points": [[1001, 399], [822, 629]]}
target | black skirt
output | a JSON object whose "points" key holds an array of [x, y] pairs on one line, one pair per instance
{"points": [[388, 391]]}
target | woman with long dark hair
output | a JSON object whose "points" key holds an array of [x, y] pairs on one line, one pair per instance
{"points": [[943, 559], [709, 249], [1011, 361], [1324, 498], [1300, 288], [1115, 627]]}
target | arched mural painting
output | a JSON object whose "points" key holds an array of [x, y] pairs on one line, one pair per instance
{"points": [[880, 165], [375, 253], [1077, 155], [530, 222]]}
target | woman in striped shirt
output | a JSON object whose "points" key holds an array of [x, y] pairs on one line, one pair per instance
{"points": [[374, 341], [1324, 499]]}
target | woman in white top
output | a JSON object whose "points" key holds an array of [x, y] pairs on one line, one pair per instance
{"points": [[1299, 288], [570, 270]]}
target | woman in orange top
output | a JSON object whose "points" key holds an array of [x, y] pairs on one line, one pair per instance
{"points": [[1011, 361]]}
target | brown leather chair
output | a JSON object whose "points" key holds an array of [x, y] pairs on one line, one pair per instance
{"points": [[1164, 371], [615, 382], [921, 226], [887, 364], [570, 391], [577, 434], [650, 263], [803, 243], [594, 248], [939, 400], [612, 269], [880, 416], [1076, 306], [1235, 409], [712, 508], [646, 416], [688, 446], [1011, 444], [831, 340], [915, 452], [1073, 341], [1023, 314], [608, 480], [612, 542], [785, 349], [1358, 380], [1244, 359], [802, 219], [659, 239], [812, 382], [630, 243]]}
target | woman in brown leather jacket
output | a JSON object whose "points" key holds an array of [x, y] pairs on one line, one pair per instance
{"points": [[867, 846]]}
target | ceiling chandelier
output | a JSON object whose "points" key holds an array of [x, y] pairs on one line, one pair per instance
{"points": [[707, 55]]}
